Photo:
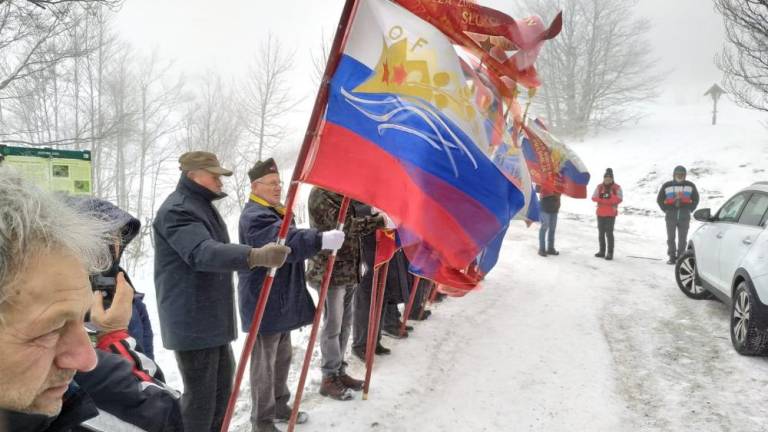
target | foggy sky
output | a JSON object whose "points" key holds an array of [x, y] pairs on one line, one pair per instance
{"points": [[222, 36]]}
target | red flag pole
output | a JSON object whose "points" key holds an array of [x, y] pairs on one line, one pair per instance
{"points": [[373, 328], [409, 306], [316, 324], [372, 340], [430, 298], [309, 137]]}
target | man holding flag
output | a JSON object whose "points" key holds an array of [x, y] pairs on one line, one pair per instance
{"points": [[289, 306]]}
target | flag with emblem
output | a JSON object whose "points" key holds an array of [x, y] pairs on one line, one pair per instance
{"points": [[403, 132]]}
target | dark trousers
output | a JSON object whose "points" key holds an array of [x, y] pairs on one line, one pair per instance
{"points": [[207, 375], [270, 363], [681, 226], [361, 306], [605, 232]]}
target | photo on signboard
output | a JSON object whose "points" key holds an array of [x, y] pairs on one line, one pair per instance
{"points": [[60, 171]]}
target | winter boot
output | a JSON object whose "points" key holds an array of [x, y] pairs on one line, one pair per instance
{"points": [[552, 252], [600, 254], [394, 332], [609, 256], [671, 260], [382, 350], [351, 383], [284, 416], [334, 389], [266, 427], [542, 253]]}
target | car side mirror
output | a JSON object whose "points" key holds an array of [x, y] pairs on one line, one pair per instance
{"points": [[703, 215]]}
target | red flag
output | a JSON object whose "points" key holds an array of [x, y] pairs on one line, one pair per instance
{"points": [[386, 246], [490, 34]]}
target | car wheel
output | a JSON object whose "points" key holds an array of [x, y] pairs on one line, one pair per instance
{"points": [[687, 278], [745, 336]]}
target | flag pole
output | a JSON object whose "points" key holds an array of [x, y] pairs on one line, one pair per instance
{"points": [[309, 137], [409, 306], [316, 323], [373, 327]]}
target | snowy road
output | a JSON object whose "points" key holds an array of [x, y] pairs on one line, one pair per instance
{"points": [[565, 343]]}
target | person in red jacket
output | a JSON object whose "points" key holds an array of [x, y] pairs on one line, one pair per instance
{"points": [[608, 196]]}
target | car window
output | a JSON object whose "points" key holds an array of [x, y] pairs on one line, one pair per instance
{"points": [[754, 210], [730, 211]]}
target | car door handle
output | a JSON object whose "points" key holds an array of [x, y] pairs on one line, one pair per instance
{"points": [[719, 235], [747, 241]]}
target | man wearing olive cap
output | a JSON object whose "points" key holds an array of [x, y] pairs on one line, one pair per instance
{"points": [[194, 262]]}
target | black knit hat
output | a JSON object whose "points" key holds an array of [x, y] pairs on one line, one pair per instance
{"points": [[608, 173], [262, 168]]}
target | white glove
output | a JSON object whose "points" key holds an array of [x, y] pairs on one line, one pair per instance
{"points": [[332, 240], [388, 223]]}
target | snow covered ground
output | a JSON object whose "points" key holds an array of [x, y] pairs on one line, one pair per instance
{"points": [[574, 342]]}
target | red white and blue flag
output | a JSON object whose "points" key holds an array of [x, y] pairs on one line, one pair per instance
{"points": [[402, 132]]}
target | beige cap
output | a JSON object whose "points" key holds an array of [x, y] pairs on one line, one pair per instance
{"points": [[195, 160]]}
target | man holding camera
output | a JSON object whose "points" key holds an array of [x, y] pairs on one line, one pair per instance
{"points": [[677, 199], [194, 262], [608, 196]]}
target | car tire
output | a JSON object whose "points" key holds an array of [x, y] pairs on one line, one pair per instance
{"points": [[747, 339], [687, 277]]}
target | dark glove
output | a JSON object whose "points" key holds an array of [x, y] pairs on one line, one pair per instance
{"points": [[270, 255]]}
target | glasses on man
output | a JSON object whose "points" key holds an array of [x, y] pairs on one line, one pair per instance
{"points": [[273, 185]]}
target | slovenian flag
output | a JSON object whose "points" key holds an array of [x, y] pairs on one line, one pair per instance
{"points": [[402, 133]]}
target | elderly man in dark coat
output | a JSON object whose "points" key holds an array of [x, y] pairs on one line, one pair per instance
{"points": [[289, 306], [194, 262]]}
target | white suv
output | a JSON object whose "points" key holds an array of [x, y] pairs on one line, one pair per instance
{"points": [[728, 257]]}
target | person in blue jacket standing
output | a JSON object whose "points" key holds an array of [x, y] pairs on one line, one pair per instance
{"points": [[289, 306]]}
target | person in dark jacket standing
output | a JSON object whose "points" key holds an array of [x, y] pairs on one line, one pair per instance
{"points": [[324, 209], [289, 306], [677, 199], [608, 196], [194, 262], [550, 206]]}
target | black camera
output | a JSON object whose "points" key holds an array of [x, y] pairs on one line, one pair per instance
{"points": [[106, 281]]}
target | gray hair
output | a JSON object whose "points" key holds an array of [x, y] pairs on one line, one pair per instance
{"points": [[33, 221]]}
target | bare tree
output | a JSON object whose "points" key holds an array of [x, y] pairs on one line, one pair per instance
{"points": [[598, 68], [744, 60], [265, 97], [320, 58]]}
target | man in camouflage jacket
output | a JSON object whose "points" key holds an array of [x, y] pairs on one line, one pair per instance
{"points": [[337, 321]]}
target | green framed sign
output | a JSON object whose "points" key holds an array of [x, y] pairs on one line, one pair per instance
{"points": [[53, 170]]}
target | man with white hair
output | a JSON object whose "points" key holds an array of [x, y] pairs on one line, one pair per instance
{"points": [[47, 250]]}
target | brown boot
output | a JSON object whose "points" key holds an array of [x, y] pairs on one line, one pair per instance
{"points": [[333, 388], [351, 383]]}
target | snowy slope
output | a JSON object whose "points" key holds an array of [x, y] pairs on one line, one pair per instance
{"points": [[574, 342]]}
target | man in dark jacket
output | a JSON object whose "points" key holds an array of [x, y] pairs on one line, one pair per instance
{"points": [[550, 206], [677, 199], [194, 262], [324, 209], [289, 305], [49, 376]]}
